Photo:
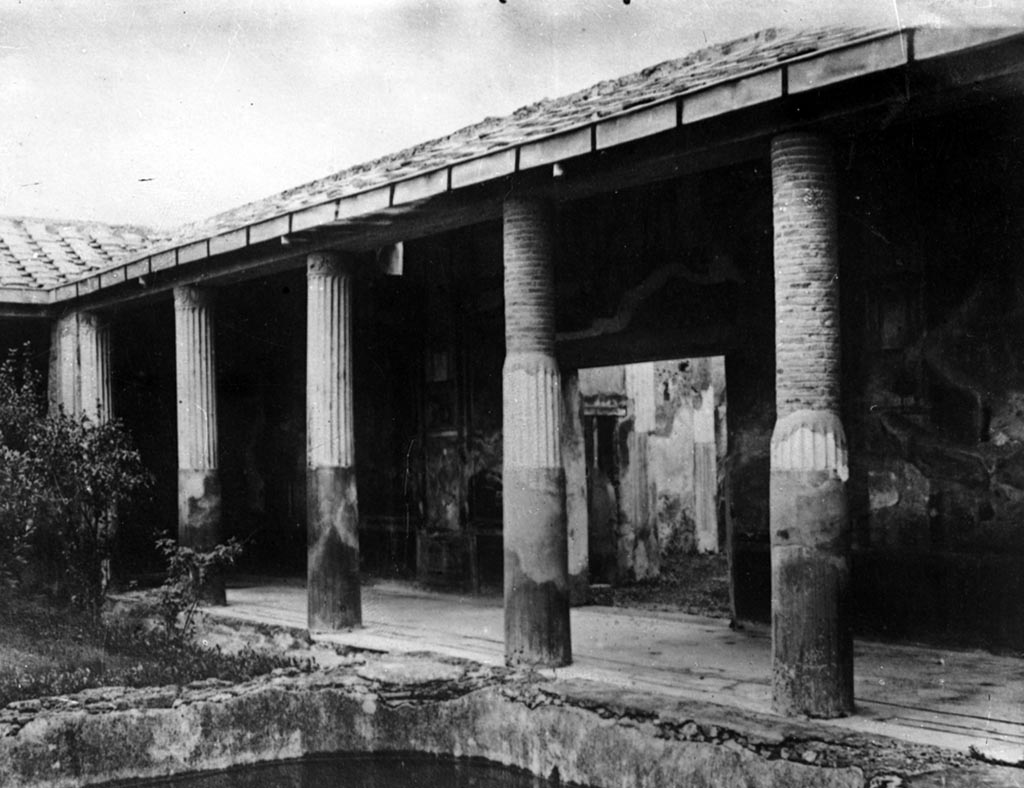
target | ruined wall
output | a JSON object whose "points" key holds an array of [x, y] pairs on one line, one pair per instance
{"points": [[930, 232], [931, 240], [680, 389], [617, 404]]}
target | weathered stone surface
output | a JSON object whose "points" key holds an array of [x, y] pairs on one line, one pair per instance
{"points": [[590, 733], [812, 646], [536, 580], [936, 457], [332, 563], [533, 499], [332, 515]]}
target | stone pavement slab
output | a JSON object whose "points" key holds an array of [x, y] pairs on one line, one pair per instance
{"points": [[960, 700]]}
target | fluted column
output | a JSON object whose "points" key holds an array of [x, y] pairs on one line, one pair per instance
{"points": [[332, 564], [95, 396], [80, 373], [812, 648], [199, 493], [63, 377], [574, 461], [535, 546]]}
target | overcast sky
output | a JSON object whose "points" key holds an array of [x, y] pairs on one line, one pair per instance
{"points": [[158, 113]]}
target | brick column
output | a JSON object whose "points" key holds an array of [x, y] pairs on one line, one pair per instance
{"points": [[332, 564], [812, 649], [534, 533], [199, 495]]}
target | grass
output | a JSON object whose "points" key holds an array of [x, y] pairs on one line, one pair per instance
{"points": [[46, 649]]}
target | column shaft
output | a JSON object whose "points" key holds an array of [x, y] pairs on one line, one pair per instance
{"points": [[574, 461], [812, 649], [63, 377], [199, 494], [95, 395], [534, 533], [332, 517], [705, 473], [80, 373]]}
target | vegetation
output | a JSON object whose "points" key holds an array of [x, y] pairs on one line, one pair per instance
{"points": [[48, 649], [187, 573], [62, 478]]}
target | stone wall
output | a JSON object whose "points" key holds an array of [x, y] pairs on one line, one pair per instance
{"points": [[571, 731]]}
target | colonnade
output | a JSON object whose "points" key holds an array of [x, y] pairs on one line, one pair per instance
{"points": [[812, 670]]}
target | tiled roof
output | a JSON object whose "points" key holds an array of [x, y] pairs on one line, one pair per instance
{"points": [[40, 253], [706, 66], [36, 255]]}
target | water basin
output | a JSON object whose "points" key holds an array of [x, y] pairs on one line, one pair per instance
{"points": [[370, 770]]}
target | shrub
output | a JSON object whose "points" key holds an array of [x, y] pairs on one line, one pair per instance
{"points": [[61, 481], [20, 485], [188, 571], [87, 470]]}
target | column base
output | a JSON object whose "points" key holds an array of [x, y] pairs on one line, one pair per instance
{"points": [[332, 564], [812, 645], [199, 500], [536, 568]]}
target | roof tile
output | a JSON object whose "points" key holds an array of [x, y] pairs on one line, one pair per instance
{"points": [[69, 250]]}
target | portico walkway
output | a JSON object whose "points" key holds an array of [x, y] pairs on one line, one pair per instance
{"points": [[953, 699]]}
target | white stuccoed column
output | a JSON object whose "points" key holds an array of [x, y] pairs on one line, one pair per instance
{"points": [[95, 397], [332, 565], [80, 372], [199, 492], [705, 473], [63, 375]]}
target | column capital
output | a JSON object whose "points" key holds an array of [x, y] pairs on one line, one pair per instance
{"points": [[92, 320], [328, 263], [193, 297], [810, 440]]}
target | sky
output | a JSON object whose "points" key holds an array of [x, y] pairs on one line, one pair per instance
{"points": [[158, 113]]}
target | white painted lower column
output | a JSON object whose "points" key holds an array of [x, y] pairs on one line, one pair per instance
{"points": [[332, 564], [199, 491]]}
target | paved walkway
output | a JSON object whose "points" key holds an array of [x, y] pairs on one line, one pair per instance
{"points": [[955, 699]]}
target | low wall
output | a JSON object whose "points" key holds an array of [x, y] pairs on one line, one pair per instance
{"points": [[581, 732]]}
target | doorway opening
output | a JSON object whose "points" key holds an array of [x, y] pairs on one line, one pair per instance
{"points": [[654, 445]]}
